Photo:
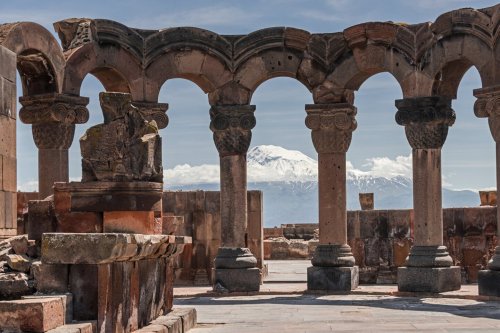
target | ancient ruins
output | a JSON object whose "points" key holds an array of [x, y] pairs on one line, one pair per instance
{"points": [[105, 251]]}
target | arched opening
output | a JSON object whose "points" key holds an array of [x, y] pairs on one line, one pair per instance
{"points": [[282, 163], [91, 87], [379, 156], [468, 155]]}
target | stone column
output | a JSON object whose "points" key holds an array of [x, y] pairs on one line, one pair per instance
{"points": [[333, 263], [53, 118], [488, 106], [428, 266], [235, 265]]}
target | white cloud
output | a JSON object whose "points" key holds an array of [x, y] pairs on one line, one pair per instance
{"points": [[185, 174], [29, 186], [433, 4], [387, 168]]}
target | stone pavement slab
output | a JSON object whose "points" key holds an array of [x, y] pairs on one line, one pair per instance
{"points": [[341, 313]]}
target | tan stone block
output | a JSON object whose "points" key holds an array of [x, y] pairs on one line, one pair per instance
{"points": [[129, 222], [8, 137], [8, 64], [10, 210], [32, 315], [8, 102], [3, 225]]}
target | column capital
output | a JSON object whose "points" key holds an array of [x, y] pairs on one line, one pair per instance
{"points": [[232, 127], [53, 118], [154, 111], [331, 125], [426, 120], [487, 105]]}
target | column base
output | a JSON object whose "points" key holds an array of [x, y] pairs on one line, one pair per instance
{"points": [[489, 282], [429, 279], [237, 279], [332, 278]]}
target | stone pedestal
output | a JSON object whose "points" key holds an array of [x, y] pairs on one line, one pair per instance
{"points": [[429, 279], [235, 270], [332, 278], [489, 282]]}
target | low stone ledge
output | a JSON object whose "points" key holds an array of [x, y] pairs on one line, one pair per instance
{"points": [[105, 248], [82, 327], [32, 315], [179, 320]]}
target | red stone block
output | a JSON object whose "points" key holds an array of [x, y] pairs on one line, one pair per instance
{"points": [[32, 315], [129, 222], [79, 222]]}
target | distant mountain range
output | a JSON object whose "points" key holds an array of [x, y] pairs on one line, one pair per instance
{"points": [[288, 180]]}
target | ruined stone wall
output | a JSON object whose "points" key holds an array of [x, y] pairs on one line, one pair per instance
{"points": [[8, 187], [381, 240], [201, 213]]}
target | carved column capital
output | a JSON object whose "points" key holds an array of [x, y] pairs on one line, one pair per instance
{"points": [[53, 118], [232, 127], [426, 120], [332, 126], [154, 111], [487, 105]]}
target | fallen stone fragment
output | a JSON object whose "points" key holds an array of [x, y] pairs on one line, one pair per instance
{"points": [[14, 285], [20, 263], [20, 245]]}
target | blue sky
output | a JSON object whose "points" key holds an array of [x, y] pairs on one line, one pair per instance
{"points": [[468, 154]]}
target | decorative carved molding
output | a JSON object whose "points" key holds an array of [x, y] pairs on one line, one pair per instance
{"points": [[232, 127], [332, 126], [54, 108], [154, 111], [487, 105], [426, 120], [53, 118]]}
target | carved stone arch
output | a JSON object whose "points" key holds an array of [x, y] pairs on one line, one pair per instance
{"points": [[40, 60], [109, 50], [464, 38]]}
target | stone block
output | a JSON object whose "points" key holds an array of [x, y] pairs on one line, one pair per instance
{"points": [[173, 324], [429, 279], [66, 299], [51, 278], [41, 219], [20, 245], [401, 250], [63, 248], [473, 222], [14, 285], [31, 315], [237, 280], [19, 263], [10, 210], [172, 224], [399, 221], [9, 174], [80, 222], [83, 284], [368, 220], [85, 327], [7, 64], [129, 222], [332, 278], [188, 317], [8, 140], [489, 283]]}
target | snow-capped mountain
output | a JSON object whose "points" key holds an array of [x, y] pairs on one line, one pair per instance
{"points": [[288, 179]]}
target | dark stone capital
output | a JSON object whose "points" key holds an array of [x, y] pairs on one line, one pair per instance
{"points": [[53, 118], [154, 111], [331, 125], [487, 105], [232, 127], [426, 120]]}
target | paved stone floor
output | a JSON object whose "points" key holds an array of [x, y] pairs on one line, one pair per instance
{"points": [[284, 306]]}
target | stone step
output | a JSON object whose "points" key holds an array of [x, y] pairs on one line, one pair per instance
{"points": [[67, 301], [179, 320], [38, 314], [77, 327]]}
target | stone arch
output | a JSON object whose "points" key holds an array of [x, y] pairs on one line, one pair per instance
{"points": [[464, 38], [200, 56], [40, 60], [374, 48], [276, 52]]}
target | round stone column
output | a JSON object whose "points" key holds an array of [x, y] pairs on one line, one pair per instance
{"points": [[235, 265], [428, 266], [488, 106], [53, 118], [333, 263]]}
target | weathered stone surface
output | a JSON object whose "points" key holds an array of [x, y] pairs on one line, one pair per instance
{"points": [[234, 258], [50, 278], [332, 278], [129, 222], [125, 148], [83, 284], [74, 328], [20, 245], [187, 315], [333, 256], [41, 218], [14, 285], [429, 279], [488, 282], [32, 315], [66, 299], [20, 263], [237, 280]]}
